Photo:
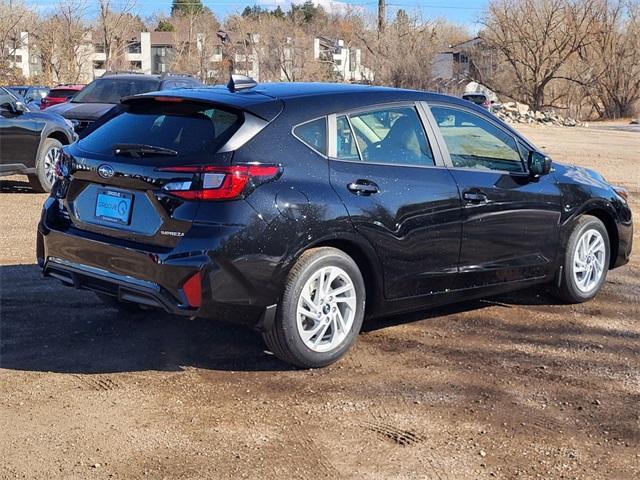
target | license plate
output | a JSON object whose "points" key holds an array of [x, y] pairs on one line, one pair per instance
{"points": [[114, 206]]}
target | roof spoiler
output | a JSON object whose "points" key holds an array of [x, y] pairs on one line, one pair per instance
{"points": [[240, 82]]}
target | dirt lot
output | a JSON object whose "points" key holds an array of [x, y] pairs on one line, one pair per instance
{"points": [[511, 387]]}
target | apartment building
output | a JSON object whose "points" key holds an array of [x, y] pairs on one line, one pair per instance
{"points": [[346, 61], [157, 52], [19, 57]]}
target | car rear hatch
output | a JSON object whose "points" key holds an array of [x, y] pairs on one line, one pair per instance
{"points": [[141, 172]]}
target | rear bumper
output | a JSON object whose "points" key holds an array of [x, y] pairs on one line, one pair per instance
{"points": [[239, 287], [122, 287]]}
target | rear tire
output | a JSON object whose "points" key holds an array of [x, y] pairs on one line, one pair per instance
{"points": [[586, 261], [321, 311], [42, 180]]}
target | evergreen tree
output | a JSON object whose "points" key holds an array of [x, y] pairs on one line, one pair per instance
{"points": [[187, 7], [164, 26], [278, 12]]}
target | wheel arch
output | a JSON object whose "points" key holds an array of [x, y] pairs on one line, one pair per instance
{"points": [[60, 136], [609, 222], [366, 259]]}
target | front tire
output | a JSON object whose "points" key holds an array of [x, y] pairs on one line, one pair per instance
{"points": [[44, 177], [586, 261], [321, 311]]}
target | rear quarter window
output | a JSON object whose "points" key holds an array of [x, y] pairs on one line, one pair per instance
{"points": [[313, 134], [189, 129]]}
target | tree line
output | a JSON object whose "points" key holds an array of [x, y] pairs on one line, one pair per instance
{"points": [[581, 56]]}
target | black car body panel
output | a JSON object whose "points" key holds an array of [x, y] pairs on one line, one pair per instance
{"points": [[418, 238], [21, 134]]}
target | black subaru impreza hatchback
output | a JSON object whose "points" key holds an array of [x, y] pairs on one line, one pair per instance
{"points": [[300, 209]]}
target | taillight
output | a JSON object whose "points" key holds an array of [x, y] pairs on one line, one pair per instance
{"points": [[220, 183]]}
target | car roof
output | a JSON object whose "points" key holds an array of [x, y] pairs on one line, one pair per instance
{"points": [[129, 76], [27, 86], [267, 99]]}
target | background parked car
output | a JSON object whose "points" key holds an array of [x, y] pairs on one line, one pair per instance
{"points": [[19, 100], [31, 94], [102, 94], [60, 94], [480, 99], [30, 141]]}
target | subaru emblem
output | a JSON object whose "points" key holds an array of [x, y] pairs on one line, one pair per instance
{"points": [[105, 171]]}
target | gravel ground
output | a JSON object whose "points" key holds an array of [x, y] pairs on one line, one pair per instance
{"points": [[512, 387]]}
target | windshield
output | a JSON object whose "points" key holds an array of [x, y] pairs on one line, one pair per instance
{"points": [[111, 90], [186, 129], [19, 90]]}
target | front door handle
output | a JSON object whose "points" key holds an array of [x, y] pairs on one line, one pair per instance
{"points": [[474, 196], [363, 187]]}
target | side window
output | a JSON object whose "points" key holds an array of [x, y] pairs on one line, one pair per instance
{"points": [[476, 143], [392, 135], [313, 134], [7, 103], [346, 148]]}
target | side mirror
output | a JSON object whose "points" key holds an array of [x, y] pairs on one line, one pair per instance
{"points": [[538, 164], [20, 108]]}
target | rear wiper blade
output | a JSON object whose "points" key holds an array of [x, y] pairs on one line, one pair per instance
{"points": [[139, 150]]}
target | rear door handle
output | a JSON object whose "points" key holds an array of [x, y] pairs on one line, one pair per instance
{"points": [[363, 187], [474, 196]]}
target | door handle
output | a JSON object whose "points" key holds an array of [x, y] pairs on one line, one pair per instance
{"points": [[474, 197], [363, 187]]}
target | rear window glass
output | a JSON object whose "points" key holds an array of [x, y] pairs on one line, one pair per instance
{"points": [[314, 134], [187, 128], [62, 93], [475, 98], [111, 90]]}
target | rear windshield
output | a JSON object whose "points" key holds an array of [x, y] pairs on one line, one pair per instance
{"points": [[189, 129], [111, 90], [62, 93]]}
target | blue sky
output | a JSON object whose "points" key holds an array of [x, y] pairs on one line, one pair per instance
{"points": [[461, 11]]}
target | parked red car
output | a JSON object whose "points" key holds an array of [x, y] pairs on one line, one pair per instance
{"points": [[60, 94]]}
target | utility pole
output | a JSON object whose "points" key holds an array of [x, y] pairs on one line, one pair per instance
{"points": [[381, 15]]}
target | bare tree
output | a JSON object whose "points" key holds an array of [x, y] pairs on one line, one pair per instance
{"points": [[402, 55], [14, 18], [62, 43], [535, 39], [114, 28], [614, 59], [194, 32]]}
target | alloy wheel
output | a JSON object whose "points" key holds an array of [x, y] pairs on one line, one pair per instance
{"points": [[589, 260], [326, 309], [50, 160]]}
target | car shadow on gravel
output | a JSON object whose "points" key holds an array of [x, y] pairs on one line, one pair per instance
{"points": [[15, 186], [46, 326]]}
